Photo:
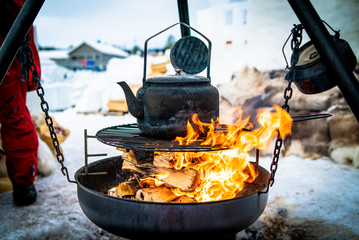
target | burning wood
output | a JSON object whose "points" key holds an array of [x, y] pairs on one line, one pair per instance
{"points": [[128, 188], [164, 160], [156, 190], [204, 176], [184, 179], [155, 194], [125, 189]]}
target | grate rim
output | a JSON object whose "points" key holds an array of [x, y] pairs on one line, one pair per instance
{"points": [[128, 136]]}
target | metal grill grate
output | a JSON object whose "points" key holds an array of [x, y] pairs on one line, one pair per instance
{"points": [[128, 136]]}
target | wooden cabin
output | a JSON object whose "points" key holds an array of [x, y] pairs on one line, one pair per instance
{"points": [[94, 56]]}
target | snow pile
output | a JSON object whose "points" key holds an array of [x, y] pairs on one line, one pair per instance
{"points": [[89, 91], [310, 199]]}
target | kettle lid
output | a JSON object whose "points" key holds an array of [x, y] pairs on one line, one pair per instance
{"points": [[178, 79], [190, 55]]}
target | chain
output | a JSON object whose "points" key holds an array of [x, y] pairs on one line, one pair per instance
{"points": [[288, 92], [45, 108]]}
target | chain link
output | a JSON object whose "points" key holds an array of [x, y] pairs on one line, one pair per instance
{"points": [[44, 106], [288, 92]]}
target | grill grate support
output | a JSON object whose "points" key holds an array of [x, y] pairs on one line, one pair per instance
{"points": [[129, 136]]}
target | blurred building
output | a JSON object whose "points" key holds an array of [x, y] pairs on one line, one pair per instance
{"points": [[253, 32], [94, 56], [224, 22]]}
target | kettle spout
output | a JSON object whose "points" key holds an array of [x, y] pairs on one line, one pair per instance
{"points": [[135, 105]]}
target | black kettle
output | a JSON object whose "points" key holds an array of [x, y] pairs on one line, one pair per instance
{"points": [[165, 104]]}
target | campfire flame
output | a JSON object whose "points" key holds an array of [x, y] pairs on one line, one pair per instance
{"points": [[222, 174]]}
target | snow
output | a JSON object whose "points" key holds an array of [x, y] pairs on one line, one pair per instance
{"points": [[57, 54], [315, 191], [88, 90], [319, 189]]}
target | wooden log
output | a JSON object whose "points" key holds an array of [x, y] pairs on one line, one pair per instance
{"points": [[129, 157], [117, 106], [157, 194], [184, 179], [151, 181], [121, 149], [164, 160], [184, 199], [143, 156], [128, 188]]}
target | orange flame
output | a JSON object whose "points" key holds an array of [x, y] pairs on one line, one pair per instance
{"points": [[223, 173]]}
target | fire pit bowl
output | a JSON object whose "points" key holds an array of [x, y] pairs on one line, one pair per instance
{"points": [[151, 220]]}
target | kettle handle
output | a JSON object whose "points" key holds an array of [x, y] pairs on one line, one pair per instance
{"points": [[184, 24]]}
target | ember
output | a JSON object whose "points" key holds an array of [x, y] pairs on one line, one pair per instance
{"points": [[208, 176]]}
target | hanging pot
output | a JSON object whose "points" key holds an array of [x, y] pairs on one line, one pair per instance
{"points": [[311, 74]]}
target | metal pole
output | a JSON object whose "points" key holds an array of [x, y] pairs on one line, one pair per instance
{"points": [[183, 16], [87, 155], [17, 33], [329, 53]]}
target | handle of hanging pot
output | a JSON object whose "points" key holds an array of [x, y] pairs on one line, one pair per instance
{"points": [[183, 24]]}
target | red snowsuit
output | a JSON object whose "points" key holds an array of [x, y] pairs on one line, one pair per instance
{"points": [[18, 131]]}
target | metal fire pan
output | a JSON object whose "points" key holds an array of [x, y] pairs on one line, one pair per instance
{"points": [[149, 220]]}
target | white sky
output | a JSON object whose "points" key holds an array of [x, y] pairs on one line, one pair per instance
{"points": [[61, 23]]}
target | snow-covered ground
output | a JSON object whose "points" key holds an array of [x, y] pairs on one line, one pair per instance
{"points": [[312, 198]]}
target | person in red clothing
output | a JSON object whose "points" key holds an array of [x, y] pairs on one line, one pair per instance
{"points": [[18, 131]]}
